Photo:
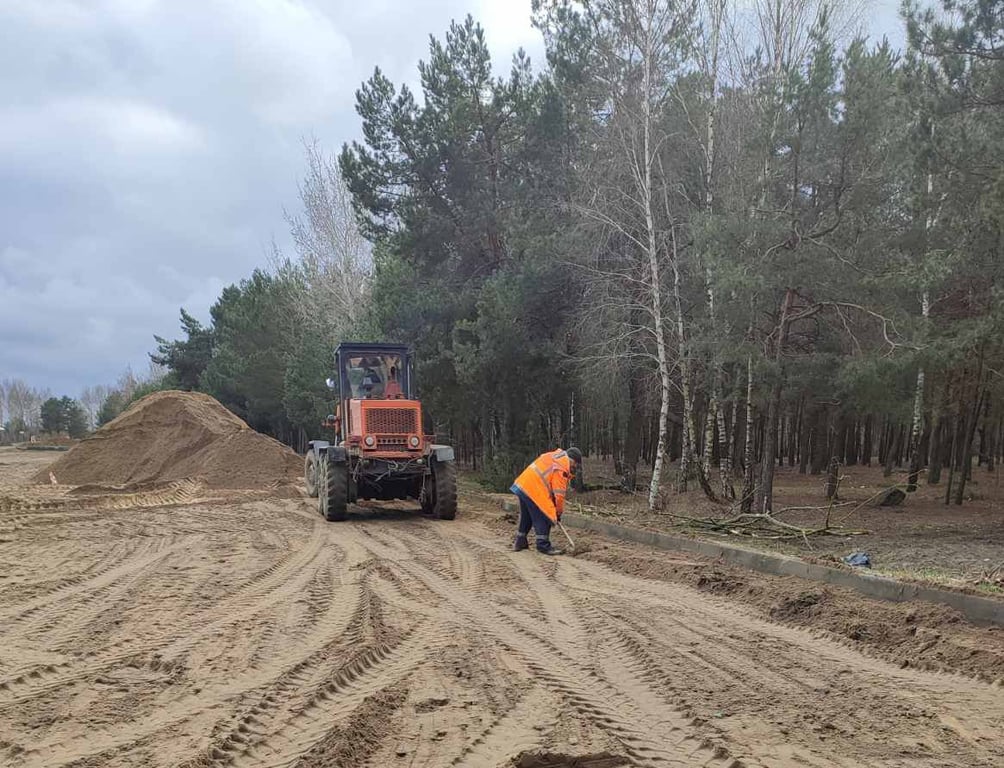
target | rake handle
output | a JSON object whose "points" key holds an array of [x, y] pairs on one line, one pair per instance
{"points": [[564, 531]]}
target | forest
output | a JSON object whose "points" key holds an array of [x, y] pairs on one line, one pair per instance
{"points": [[702, 239]]}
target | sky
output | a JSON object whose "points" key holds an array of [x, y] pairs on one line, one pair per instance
{"points": [[148, 149]]}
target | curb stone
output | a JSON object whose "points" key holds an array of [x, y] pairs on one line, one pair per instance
{"points": [[979, 610]]}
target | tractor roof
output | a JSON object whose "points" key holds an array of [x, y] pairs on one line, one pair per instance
{"points": [[363, 347]]}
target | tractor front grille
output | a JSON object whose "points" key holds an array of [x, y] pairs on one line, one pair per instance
{"points": [[391, 421]]}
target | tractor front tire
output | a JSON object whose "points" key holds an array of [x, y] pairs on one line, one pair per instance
{"points": [[335, 492], [444, 479], [310, 474]]}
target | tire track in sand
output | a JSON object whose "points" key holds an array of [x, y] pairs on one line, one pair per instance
{"points": [[65, 620], [284, 675], [348, 686], [572, 633], [658, 737], [272, 584], [518, 730], [63, 598]]}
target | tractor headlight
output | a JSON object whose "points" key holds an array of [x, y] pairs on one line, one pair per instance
{"points": [[414, 441], [370, 441]]}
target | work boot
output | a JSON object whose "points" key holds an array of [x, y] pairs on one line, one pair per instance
{"points": [[520, 543], [547, 548]]}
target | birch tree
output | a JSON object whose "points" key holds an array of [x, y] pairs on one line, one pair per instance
{"points": [[334, 257], [637, 49], [715, 21], [92, 398]]}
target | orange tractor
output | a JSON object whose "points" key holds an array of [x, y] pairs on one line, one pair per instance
{"points": [[380, 450]]}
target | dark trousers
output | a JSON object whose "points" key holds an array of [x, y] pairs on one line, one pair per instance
{"points": [[530, 515]]}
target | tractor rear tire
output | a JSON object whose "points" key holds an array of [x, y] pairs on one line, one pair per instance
{"points": [[310, 474], [335, 492], [444, 478]]}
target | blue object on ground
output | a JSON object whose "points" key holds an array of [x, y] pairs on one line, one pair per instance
{"points": [[859, 560]]}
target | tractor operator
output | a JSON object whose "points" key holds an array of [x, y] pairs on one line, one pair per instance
{"points": [[541, 490]]}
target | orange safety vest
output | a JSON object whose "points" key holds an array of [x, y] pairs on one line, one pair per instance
{"points": [[545, 482]]}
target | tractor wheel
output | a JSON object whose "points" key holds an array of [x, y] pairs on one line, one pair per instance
{"points": [[444, 481], [310, 474], [335, 492]]}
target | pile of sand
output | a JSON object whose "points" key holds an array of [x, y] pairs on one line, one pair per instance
{"points": [[172, 436]]}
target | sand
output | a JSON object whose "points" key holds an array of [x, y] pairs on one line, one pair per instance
{"points": [[168, 436]]}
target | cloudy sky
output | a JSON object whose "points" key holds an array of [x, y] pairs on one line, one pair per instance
{"points": [[148, 147]]}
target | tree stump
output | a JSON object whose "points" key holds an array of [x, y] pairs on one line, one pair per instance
{"points": [[893, 497], [832, 478]]}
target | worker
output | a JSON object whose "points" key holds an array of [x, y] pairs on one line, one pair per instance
{"points": [[393, 390], [541, 490], [370, 383]]}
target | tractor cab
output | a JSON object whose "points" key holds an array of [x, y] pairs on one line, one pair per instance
{"points": [[377, 412]]}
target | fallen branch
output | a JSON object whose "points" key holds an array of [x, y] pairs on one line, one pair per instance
{"points": [[763, 525], [992, 577], [869, 500]]}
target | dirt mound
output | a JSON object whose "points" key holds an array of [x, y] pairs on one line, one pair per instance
{"points": [[797, 607], [172, 436]]}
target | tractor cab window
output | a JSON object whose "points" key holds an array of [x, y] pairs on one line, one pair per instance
{"points": [[374, 377]]}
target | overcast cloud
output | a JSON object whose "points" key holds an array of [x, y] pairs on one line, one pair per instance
{"points": [[147, 149]]}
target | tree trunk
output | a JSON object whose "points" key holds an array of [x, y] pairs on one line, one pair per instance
{"points": [[819, 441], [984, 433], [687, 459], [992, 447], [791, 439], [615, 442], [937, 448], [783, 426], [900, 445], [889, 450], [882, 449], [715, 406], [966, 450], [851, 443], [746, 504], [709, 435], [917, 427], [866, 442], [573, 437], [765, 490], [804, 433], [635, 427], [734, 441], [832, 479], [724, 453], [953, 457], [937, 452], [655, 273]]}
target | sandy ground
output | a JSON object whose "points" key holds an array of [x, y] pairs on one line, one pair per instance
{"points": [[157, 628]]}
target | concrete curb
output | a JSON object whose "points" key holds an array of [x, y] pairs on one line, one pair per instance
{"points": [[980, 610]]}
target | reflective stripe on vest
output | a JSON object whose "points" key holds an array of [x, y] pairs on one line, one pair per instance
{"points": [[543, 475]]}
